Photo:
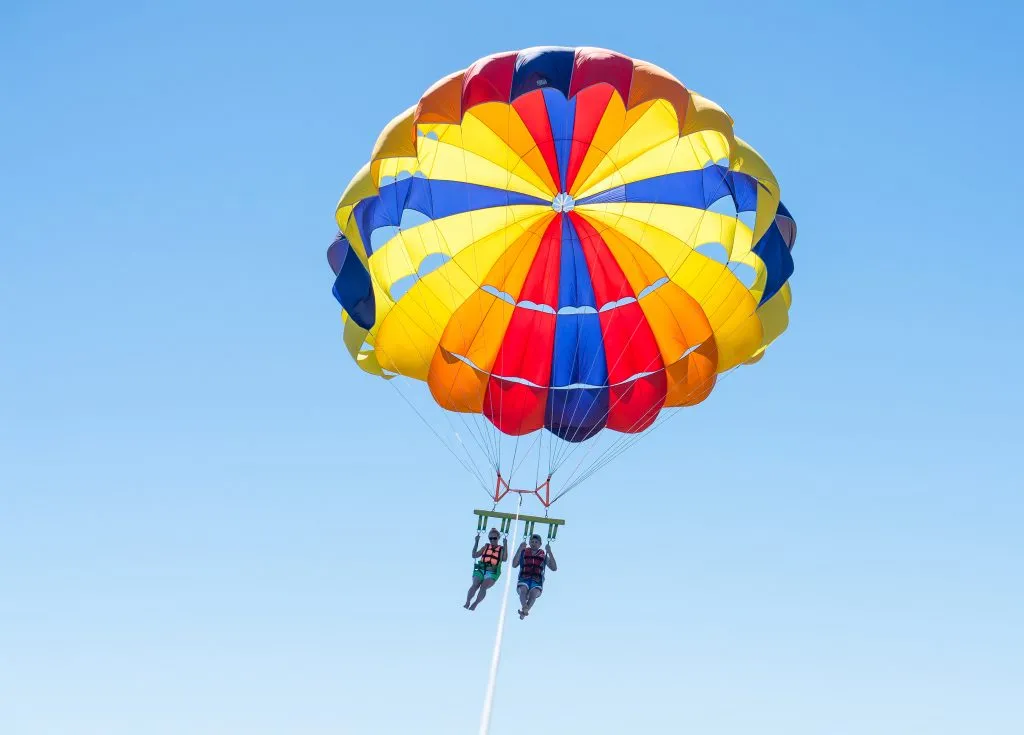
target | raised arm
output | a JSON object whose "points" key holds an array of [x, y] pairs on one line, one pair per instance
{"points": [[504, 549], [519, 553], [549, 559], [476, 547]]}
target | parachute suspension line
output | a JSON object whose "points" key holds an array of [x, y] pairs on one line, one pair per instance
{"points": [[624, 442], [495, 455], [558, 454], [491, 436], [540, 452], [612, 454], [633, 438], [470, 430], [612, 450], [492, 679], [511, 308], [501, 397], [719, 190], [478, 433], [474, 431], [490, 431], [471, 433], [619, 446], [627, 440], [551, 456], [574, 447], [512, 464], [451, 426], [563, 456], [526, 454], [471, 467]]}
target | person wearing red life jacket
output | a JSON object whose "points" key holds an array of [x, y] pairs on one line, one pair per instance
{"points": [[488, 569], [532, 562]]}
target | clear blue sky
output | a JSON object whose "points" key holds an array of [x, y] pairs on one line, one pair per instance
{"points": [[211, 522]]}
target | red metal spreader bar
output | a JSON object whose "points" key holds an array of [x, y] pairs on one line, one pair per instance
{"points": [[501, 489]]}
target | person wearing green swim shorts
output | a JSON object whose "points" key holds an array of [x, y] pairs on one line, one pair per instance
{"points": [[488, 569]]}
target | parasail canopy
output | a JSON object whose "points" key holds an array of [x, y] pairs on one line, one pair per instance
{"points": [[565, 241]]}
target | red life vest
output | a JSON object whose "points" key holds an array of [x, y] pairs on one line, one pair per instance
{"points": [[491, 555], [532, 565]]}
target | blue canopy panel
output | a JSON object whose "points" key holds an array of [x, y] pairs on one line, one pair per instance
{"points": [[352, 286], [433, 198], [774, 252], [543, 67], [699, 189], [562, 119], [578, 401], [687, 188]]}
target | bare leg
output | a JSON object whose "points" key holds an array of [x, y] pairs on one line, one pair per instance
{"points": [[488, 583], [523, 593], [472, 589], [534, 594]]}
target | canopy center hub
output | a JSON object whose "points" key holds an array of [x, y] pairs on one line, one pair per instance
{"points": [[563, 203]]}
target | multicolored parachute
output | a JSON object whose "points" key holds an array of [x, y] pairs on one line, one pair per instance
{"points": [[560, 239]]}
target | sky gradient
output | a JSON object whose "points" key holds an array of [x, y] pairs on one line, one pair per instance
{"points": [[212, 522]]}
